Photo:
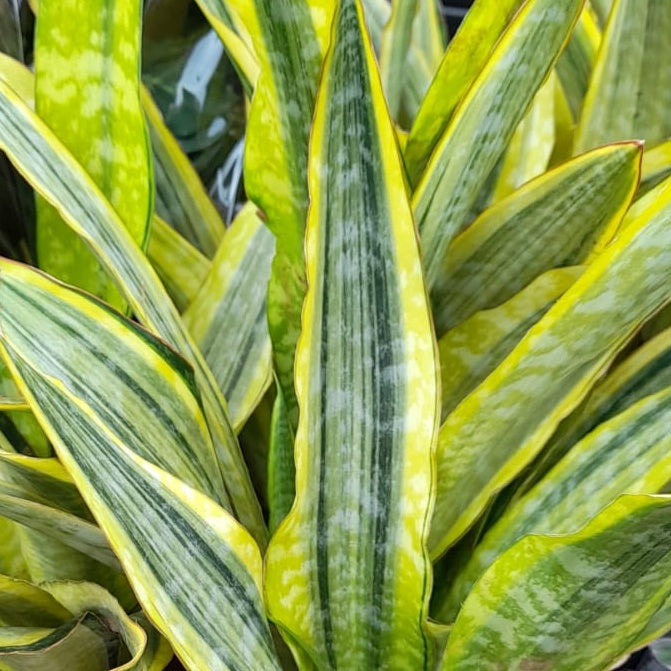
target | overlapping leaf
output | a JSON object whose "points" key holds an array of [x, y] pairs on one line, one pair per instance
{"points": [[628, 454], [630, 91], [466, 55], [167, 535], [471, 351], [479, 448], [571, 602], [181, 199], [646, 372], [49, 167], [228, 318], [181, 267], [559, 219], [395, 44], [482, 126]]}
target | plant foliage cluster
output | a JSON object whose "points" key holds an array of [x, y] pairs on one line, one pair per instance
{"points": [[409, 409]]}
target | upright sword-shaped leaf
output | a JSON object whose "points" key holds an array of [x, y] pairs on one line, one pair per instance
{"points": [[347, 573], [96, 44]]}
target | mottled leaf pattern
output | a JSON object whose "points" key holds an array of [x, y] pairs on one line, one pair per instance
{"points": [[346, 571], [569, 602], [479, 448], [482, 126], [228, 316], [630, 91], [562, 218], [96, 45]]}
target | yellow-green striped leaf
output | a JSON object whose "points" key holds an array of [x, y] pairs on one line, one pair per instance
{"points": [[181, 199], [656, 167], [464, 58], [140, 389], [75, 533], [471, 351], [49, 167], [628, 454], [281, 467], [645, 372], [228, 317], [482, 126], [531, 146], [429, 35], [44, 481], [395, 44], [226, 23], [181, 267], [601, 9], [480, 448], [346, 572], [19, 77], [25, 605], [289, 40], [562, 218], [167, 535], [569, 602], [98, 46], [98, 634], [630, 91], [423, 54], [576, 63]]}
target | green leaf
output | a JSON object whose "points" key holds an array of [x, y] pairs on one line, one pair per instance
{"points": [[281, 467], [228, 317], [479, 449], [71, 531], [25, 605], [424, 52], [181, 267], [143, 392], [11, 41], [429, 35], [643, 373], [289, 41], [569, 602], [347, 575], [223, 18], [601, 9], [628, 454], [630, 91], [10, 398], [98, 45], [395, 44], [560, 219], [656, 167], [12, 562], [576, 63], [473, 349], [464, 58], [181, 199], [99, 636], [166, 534], [48, 166], [483, 125], [531, 146], [43, 481]]}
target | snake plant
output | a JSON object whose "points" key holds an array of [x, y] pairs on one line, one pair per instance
{"points": [[408, 411]]}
